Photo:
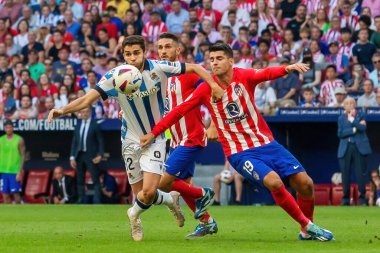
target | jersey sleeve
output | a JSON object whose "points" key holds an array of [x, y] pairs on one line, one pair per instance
{"points": [[172, 68], [105, 86], [200, 96], [256, 76]]}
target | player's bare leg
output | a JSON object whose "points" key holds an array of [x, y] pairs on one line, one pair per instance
{"points": [[303, 184], [286, 201], [238, 180], [6, 198], [17, 198]]}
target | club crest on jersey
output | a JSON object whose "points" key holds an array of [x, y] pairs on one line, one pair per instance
{"points": [[255, 175], [173, 85], [154, 76], [238, 90]]}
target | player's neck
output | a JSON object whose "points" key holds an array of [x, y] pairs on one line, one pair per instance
{"points": [[225, 79]]}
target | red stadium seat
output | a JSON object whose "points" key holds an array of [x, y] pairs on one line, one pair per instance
{"points": [[337, 195], [122, 183], [70, 172], [1, 198], [37, 186], [322, 193]]}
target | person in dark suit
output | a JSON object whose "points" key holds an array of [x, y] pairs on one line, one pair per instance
{"points": [[353, 148], [87, 150], [64, 189]]}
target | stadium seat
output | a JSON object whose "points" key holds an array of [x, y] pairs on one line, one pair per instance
{"points": [[322, 193], [1, 198], [122, 182], [69, 172], [37, 186], [337, 195]]}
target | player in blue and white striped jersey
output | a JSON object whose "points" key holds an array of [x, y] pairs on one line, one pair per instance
{"points": [[141, 111]]}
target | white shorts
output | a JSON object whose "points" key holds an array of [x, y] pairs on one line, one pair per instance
{"points": [[137, 160]]}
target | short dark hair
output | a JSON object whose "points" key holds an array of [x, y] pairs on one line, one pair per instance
{"points": [[345, 30], [266, 42], [331, 66], [112, 59], [134, 40], [243, 28], [222, 47], [24, 71], [308, 89], [366, 20], [231, 12], [170, 36], [8, 122]]}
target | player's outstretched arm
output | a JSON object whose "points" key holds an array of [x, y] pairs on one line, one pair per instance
{"points": [[217, 91], [300, 67], [76, 105]]}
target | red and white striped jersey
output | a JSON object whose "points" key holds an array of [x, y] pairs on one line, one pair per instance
{"points": [[152, 31], [346, 48], [188, 131], [239, 123], [327, 90], [331, 35], [351, 22]]}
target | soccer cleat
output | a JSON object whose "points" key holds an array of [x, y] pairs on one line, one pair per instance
{"points": [[137, 233], [176, 209], [305, 237], [203, 229], [319, 233], [202, 203]]}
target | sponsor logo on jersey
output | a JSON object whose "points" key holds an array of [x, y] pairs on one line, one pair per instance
{"points": [[255, 175], [233, 109], [143, 93]]}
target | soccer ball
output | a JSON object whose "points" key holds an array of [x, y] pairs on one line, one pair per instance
{"points": [[127, 79], [336, 178], [225, 176]]}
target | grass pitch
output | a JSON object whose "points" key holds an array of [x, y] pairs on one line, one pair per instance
{"points": [[77, 228]]}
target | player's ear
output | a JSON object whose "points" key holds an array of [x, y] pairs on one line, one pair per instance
{"points": [[231, 61]]}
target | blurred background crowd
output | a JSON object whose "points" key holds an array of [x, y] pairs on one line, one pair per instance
{"points": [[53, 51]]}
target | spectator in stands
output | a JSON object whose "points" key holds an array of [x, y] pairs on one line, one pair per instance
{"points": [[72, 26], [59, 66], [318, 57], [378, 97], [238, 63], [36, 68], [10, 9], [289, 39], [374, 193], [340, 96], [327, 95], [76, 8], [316, 34], [64, 190], [286, 87], [375, 74], [110, 190], [154, 28], [62, 97], [74, 55], [364, 50], [28, 16], [105, 44], [62, 27], [241, 14], [308, 100], [340, 60], [7, 102], [368, 99], [46, 89], [349, 20], [287, 11], [131, 19], [364, 24], [355, 84], [175, 19], [101, 68], [375, 38], [110, 27], [353, 149], [26, 110], [86, 153], [4, 67], [11, 48], [91, 81], [298, 20], [345, 47], [311, 78], [48, 104], [48, 65], [322, 20], [33, 45], [233, 178], [263, 51], [21, 39], [207, 13], [12, 157], [265, 99], [121, 6], [57, 45], [333, 34], [115, 19]]}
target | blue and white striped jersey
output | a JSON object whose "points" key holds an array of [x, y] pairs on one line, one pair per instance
{"points": [[143, 109]]}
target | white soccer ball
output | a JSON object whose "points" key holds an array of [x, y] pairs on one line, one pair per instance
{"points": [[336, 178], [127, 79], [225, 176]]}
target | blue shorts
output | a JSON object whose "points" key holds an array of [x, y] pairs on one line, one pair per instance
{"points": [[8, 184], [254, 164], [181, 161]]}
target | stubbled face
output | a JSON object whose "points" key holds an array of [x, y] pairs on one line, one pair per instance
{"points": [[8, 129], [134, 55], [220, 63], [168, 50], [349, 104]]}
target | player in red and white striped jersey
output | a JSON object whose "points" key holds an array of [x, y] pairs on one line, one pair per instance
{"points": [[154, 28], [247, 140]]}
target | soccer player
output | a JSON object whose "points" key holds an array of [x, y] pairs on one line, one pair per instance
{"points": [[247, 140], [187, 142], [141, 111]]}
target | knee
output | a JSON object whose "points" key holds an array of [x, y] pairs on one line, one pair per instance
{"points": [[149, 194], [217, 179], [272, 181], [238, 177]]}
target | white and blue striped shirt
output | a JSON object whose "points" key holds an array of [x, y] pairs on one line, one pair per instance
{"points": [[145, 108]]}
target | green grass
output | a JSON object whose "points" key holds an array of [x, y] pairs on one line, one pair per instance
{"points": [[48, 228]]}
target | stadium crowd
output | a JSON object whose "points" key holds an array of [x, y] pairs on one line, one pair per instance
{"points": [[53, 51]]}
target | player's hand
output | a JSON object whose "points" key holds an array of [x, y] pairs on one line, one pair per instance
{"points": [[300, 67], [146, 139], [97, 159], [18, 177], [217, 93], [120, 116], [55, 113], [212, 133], [73, 164]]}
